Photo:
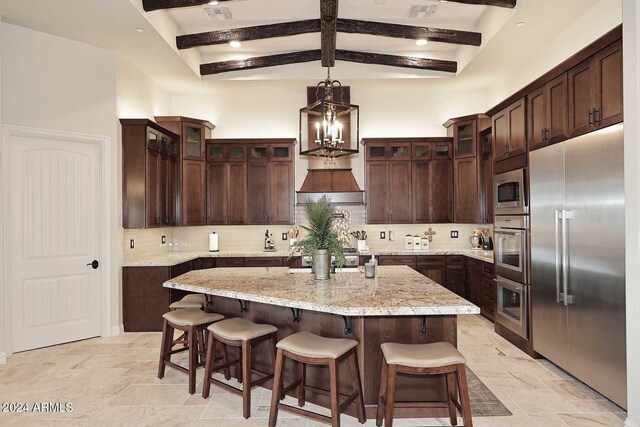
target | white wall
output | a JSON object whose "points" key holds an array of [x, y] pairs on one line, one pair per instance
{"points": [[632, 204], [137, 96], [269, 109], [53, 83]]}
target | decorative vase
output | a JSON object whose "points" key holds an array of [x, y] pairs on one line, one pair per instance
{"points": [[321, 265]]}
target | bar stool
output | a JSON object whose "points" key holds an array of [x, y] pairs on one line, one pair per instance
{"points": [[423, 359], [192, 321], [308, 348], [244, 335], [190, 301]]}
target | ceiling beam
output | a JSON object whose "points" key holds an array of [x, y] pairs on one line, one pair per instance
{"points": [[328, 19], [397, 61], [499, 3], [355, 26], [260, 62], [248, 33]]}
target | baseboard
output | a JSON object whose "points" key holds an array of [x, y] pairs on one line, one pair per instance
{"points": [[3, 357], [117, 330], [629, 423]]}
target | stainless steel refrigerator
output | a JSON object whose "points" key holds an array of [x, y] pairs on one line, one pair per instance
{"points": [[577, 258]]}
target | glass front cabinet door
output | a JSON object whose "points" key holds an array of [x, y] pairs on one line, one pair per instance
{"points": [[193, 141]]}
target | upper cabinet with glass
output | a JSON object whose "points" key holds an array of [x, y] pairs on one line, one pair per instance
{"points": [[193, 133]]}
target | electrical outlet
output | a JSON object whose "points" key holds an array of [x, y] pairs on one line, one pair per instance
{"points": [[131, 244], [164, 240], [383, 235], [285, 236], [454, 234]]}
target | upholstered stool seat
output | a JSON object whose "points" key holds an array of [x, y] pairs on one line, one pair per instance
{"points": [[190, 301], [439, 358], [307, 348], [310, 345], [432, 355], [193, 322], [191, 317], [244, 335]]}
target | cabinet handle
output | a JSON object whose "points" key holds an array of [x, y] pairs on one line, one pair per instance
{"points": [[591, 115], [455, 152], [596, 117]]}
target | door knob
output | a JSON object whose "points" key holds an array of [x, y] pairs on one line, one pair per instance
{"points": [[94, 264]]}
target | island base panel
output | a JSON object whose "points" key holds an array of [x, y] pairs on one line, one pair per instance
{"points": [[370, 332]]}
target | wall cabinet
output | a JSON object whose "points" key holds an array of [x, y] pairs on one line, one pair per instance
{"points": [[595, 91], [509, 133], [486, 180], [150, 181], [192, 198], [468, 179], [250, 181], [548, 113], [409, 180]]}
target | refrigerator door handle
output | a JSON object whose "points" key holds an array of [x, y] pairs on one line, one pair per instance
{"points": [[568, 299], [559, 294]]}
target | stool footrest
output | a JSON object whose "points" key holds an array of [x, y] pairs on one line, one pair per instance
{"points": [[304, 412]]}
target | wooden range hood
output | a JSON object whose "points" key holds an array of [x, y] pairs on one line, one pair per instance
{"points": [[339, 184]]}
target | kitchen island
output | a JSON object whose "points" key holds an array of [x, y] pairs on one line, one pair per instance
{"points": [[399, 305]]}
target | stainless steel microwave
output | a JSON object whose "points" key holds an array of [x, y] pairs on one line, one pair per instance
{"points": [[509, 194]]}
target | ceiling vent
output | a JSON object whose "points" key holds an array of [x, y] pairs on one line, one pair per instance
{"points": [[421, 11], [218, 13]]}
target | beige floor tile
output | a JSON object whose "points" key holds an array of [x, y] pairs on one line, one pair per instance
{"points": [[595, 406], [547, 420], [541, 401], [151, 395], [571, 389], [591, 419]]}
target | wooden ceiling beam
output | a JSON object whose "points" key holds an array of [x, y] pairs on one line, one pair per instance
{"points": [[151, 5], [397, 61], [260, 62], [498, 3], [328, 20], [248, 33], [355, 26]]}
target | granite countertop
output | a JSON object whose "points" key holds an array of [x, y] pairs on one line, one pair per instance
{"points": [[171, 259], [395, 291]]}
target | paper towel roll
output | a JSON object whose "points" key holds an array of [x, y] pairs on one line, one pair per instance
{"points": [[213, 242]]}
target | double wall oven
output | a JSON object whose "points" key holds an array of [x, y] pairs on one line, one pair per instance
{"points": [[511, 251]]}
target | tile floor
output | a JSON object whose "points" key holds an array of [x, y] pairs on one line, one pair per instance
{"points": [[112, 382]]}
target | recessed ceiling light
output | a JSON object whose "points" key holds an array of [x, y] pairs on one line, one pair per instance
{"points": [[139, 30], [213, 3], [444, 1], [421, 42], [235, 43], [520, 24]]}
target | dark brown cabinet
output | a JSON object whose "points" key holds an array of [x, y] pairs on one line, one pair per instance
{"points": [[250, 181], [149, 183], [595, 91], [192, 173], [409, 180], [548, 113], [486, 171], [432, 183], [509, 133], [456, 278], [433, 267], [468, 196]]}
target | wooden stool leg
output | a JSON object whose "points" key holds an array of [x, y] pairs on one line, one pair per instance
{"points": [[335, 396], [239, 365], [165, 346], [391, 396], [463, 388], [302, 373], [193, 358], [451, 396], [211, 349], [246, 375], [277, 388], [383, 392], [225, 360], [357, 386]]}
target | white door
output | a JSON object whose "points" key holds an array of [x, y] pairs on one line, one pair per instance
{"points": [[54, 217]]}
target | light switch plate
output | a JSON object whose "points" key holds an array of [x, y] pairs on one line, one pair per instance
{"points": [[285, 236], [164, 240], [383, 235], [454, 234], [131, 244]]}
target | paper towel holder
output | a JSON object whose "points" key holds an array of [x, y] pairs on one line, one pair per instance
{"points": [[213, 242]]}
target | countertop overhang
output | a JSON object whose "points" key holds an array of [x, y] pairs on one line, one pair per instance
{"points": [[395, 291]]}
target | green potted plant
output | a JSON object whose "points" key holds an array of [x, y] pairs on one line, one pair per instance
{"points": [[321, 241]]}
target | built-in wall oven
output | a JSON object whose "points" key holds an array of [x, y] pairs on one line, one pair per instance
{"points": [[511, 256], [510, 195]]}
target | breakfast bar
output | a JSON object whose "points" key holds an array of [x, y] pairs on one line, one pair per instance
{"points": [[398, 305]]}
